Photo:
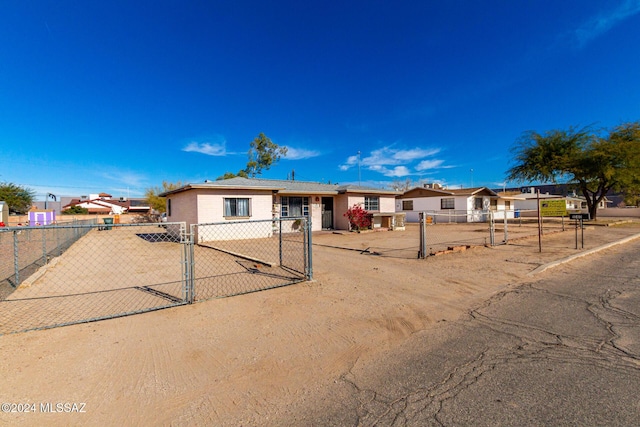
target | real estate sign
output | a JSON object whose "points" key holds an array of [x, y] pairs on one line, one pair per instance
{"points": [[556, 207]]}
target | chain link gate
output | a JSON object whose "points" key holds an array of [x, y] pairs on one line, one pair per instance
{"points": [[232, 258]]}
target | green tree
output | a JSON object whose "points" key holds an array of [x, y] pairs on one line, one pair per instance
{"points": [[75, 210], [263, 153], [19, 199], [594, 163], [157, 203]]}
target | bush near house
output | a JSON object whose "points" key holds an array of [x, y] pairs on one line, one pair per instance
{"points": [[359, 218], [75, 210]]}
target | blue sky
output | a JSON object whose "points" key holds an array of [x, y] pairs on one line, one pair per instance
{"points": [[119, 96]]}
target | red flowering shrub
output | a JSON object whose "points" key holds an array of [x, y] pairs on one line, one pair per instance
{"points": [[358, 218]]}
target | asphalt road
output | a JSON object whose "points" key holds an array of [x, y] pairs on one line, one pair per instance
{"points": [[562, 349]]}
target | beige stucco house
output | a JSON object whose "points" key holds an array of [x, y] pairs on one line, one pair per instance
{"points": [[241, 199]]}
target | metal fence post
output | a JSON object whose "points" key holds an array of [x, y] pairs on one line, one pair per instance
{"points": [[280, 238], [309, 258], [506, 232], [16, 261], [423, 238], [492, 229], [188, 262], [44, 246]]}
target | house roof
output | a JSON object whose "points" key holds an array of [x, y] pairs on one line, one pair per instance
{"points": [[432, 192], [280, 186]]}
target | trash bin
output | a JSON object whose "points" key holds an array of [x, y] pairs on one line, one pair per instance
{"points": [[107, 222], [516, 214], [116, 219]]}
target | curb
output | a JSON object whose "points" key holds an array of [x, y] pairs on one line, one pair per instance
{"points": [[552, 264]]}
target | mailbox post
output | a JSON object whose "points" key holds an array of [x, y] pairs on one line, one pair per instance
{"points": [[579, 218]]}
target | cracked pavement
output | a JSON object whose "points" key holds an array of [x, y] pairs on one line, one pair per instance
{"points": [[561, 349]]}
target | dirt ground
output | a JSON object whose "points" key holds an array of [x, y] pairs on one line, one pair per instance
{"points": [[244, 360]]}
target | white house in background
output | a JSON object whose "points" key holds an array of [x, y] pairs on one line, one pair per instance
{"points": [[99, 204], [240, 199], [527, 202], [458, 205]]}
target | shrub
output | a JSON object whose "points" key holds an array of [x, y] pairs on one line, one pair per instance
{"points": [[75, 210], [358, 218]]}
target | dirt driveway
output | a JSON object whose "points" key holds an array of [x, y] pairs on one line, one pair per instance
{"points": [[245, 360]]}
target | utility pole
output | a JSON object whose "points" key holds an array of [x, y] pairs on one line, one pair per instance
{"points": [[359, 181]]}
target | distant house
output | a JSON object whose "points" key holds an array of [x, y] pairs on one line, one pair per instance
{"points": [[453, 205], [527, 200], [104, 204], [241, 199]]}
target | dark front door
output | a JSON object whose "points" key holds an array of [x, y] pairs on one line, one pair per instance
{"points": [[327, 212]]}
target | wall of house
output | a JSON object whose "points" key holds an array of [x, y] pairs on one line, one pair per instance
{"points": [[183, 207], [315, 209], [340, 207], [316, 212], [211, 204]]}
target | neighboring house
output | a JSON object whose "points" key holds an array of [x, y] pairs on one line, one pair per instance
{"points": [[241, 199], [457, 205], [527, 200], [104, 204]]}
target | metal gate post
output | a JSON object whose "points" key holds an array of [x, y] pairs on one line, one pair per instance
{"points": [[422, 253], [188, 261], [309, 249], [280, 238]]}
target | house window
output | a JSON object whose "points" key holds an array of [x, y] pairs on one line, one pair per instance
{"points": [[407, 205], [294, 206], [507, 204], [447, 203], [477, 203], [494, 204], [236, 206], [371, 203], [168, 207]]}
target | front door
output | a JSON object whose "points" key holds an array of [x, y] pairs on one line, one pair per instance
{"points": [[327, 213]]}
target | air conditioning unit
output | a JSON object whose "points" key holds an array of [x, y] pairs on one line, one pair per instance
{"points": [[123, 199]]}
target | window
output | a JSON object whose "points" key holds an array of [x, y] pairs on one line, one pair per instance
{"points": [[494, 204], [236, 207], [168, 207], [294, 206], [507, 204], [447, 203], [407, 205], [477, 203], [371, 203]]}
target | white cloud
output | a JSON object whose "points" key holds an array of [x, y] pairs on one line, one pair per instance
{"points": [[603, 22], [414, 154], [215, 149], [300, 153], [351, 161], [428, 164], [396, 172], [394, 162]]}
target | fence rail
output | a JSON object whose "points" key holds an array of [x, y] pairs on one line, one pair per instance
{"points": [[59, 275]]}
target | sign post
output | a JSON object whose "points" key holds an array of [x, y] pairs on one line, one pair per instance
{"points": [[580, 217], [549, 207]]}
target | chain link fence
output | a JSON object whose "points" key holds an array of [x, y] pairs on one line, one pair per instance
{"points": [[102, 272], [248, 256], [64, 274], [25, 249], [442, 232]]}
